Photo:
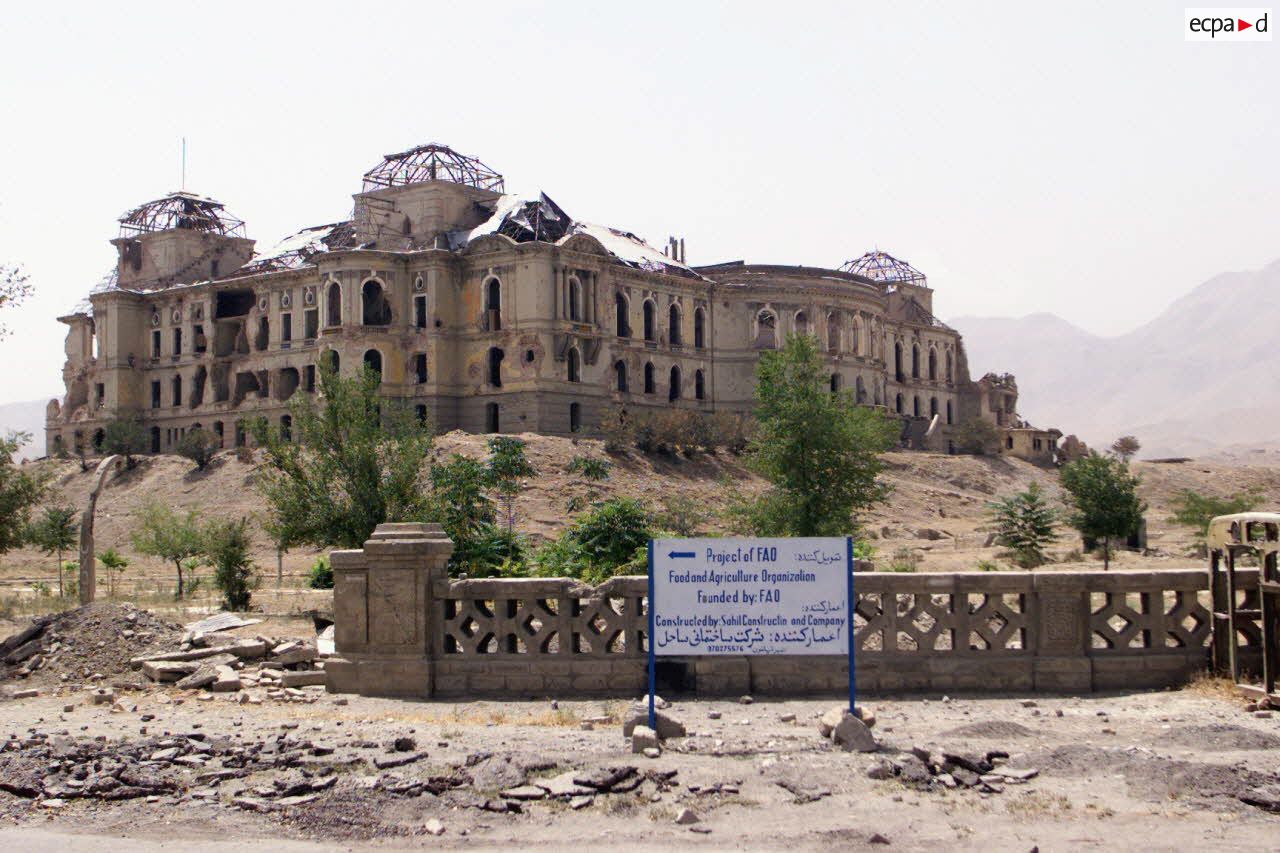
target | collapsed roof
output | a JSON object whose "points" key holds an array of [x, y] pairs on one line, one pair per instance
{"points": [[297, 250], [432, 162]]}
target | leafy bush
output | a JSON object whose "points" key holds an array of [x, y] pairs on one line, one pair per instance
{"points": [[617, 430], [321, 574], [126, 437], [491, 551], [607, 540], [988, 566], [165, 534], [976, 437], [115, 564], [589, 467], [1194, 510], [71, 583], [226, 544], [682, 515], [199, 446]]}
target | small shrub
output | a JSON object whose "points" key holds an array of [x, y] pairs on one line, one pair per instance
{"points": [[977, 437], [41, 589], [904, 560], [682, 515], [71, 583], [244, 453], [589, 467], [115, 564], [617, 430], [988, 566], [199, 446], [321, 574], [608, 540]]}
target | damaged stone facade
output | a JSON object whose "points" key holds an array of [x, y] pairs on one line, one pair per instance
{"points": [[486, 312]]}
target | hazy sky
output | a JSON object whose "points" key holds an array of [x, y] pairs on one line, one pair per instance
{"points": [[1080, 159]]}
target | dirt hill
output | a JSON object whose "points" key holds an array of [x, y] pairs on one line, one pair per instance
{"points": [[937, 509]]}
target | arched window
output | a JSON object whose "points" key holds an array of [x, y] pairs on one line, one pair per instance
{"points": [[673, 325], [933, 363], [572, 359], [949, 412], [802, 323], [575, 300], [674, 392], [331, 360], [373, 361], [650, 333], [915, 361], [835, 382], [855, 338], [699, 328], [376, 311], [766, 330], [620, 311], [333, 305], [495, 370], [915, 406], [948, 366], [833, 332], [897, 404], [649, 384], [620, 375], [933, 406], [575, 417], [860, 390], [699, 385], [493, 306], [897, 363]]}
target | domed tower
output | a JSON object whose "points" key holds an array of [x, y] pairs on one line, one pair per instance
{"points": [[897, 276], [411, 199], [178, 239]]}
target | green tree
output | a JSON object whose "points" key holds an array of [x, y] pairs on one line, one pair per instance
{"points": [[21, 488], [1104, 498], [200, 446], [819, 450], [507, 465], [226, 545], [1024, 524], [54, 532], [1126, 446], [14, 288], [163, 533], [1194, 510], [127, 437], [353, 461], [976, 437], [321, 574], [115, 564]]}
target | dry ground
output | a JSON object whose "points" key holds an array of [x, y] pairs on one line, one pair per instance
{"points": [[1144, 771], [936, 496]]}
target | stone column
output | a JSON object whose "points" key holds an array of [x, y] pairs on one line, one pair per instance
{"points": [[1061, 632], [383, 606]]}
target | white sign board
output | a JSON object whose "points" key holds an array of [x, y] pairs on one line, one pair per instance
{"points": [[750, 596]]}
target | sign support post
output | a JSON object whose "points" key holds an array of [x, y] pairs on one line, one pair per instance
{"points": [[653, 671], [853, 680]]}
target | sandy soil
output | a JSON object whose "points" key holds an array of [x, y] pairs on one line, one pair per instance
{"points": [[1153, 771]]}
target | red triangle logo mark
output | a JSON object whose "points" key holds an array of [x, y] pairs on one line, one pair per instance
{"points": [[1242, 25]]}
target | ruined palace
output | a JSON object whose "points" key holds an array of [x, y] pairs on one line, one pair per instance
{"points": [[486, 312]]}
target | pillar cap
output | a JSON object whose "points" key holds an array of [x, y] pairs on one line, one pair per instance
{"points": [[407, 530]]}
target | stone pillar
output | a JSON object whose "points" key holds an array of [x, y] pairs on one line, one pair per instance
{"points": [[1061, 632], [383, 604]]}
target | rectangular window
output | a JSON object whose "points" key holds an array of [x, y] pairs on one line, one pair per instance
{"points": [[420, 312], [309, 378], [310, 324], [177, 341], [155, 344], [100, 394], [286, 328], [155, 394], [420, 367], [198, 339]]}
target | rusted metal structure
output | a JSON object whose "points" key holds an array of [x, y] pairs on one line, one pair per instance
{"points": [[432, 162], [1251, 612], [882, 266], [181, 210]]}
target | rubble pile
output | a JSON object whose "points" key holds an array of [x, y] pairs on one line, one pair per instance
{"points": [[233, 664], [96, 641], [929, 769]]}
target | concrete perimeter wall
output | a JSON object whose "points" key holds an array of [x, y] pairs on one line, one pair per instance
{"points": [[405, 629]]}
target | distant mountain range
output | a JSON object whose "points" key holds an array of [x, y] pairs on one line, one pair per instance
{"points": [[26, 416], [1203, 376]]}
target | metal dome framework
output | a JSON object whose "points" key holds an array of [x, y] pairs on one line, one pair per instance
{"points": [[181, 210], [882, 266], [432, 162]]}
